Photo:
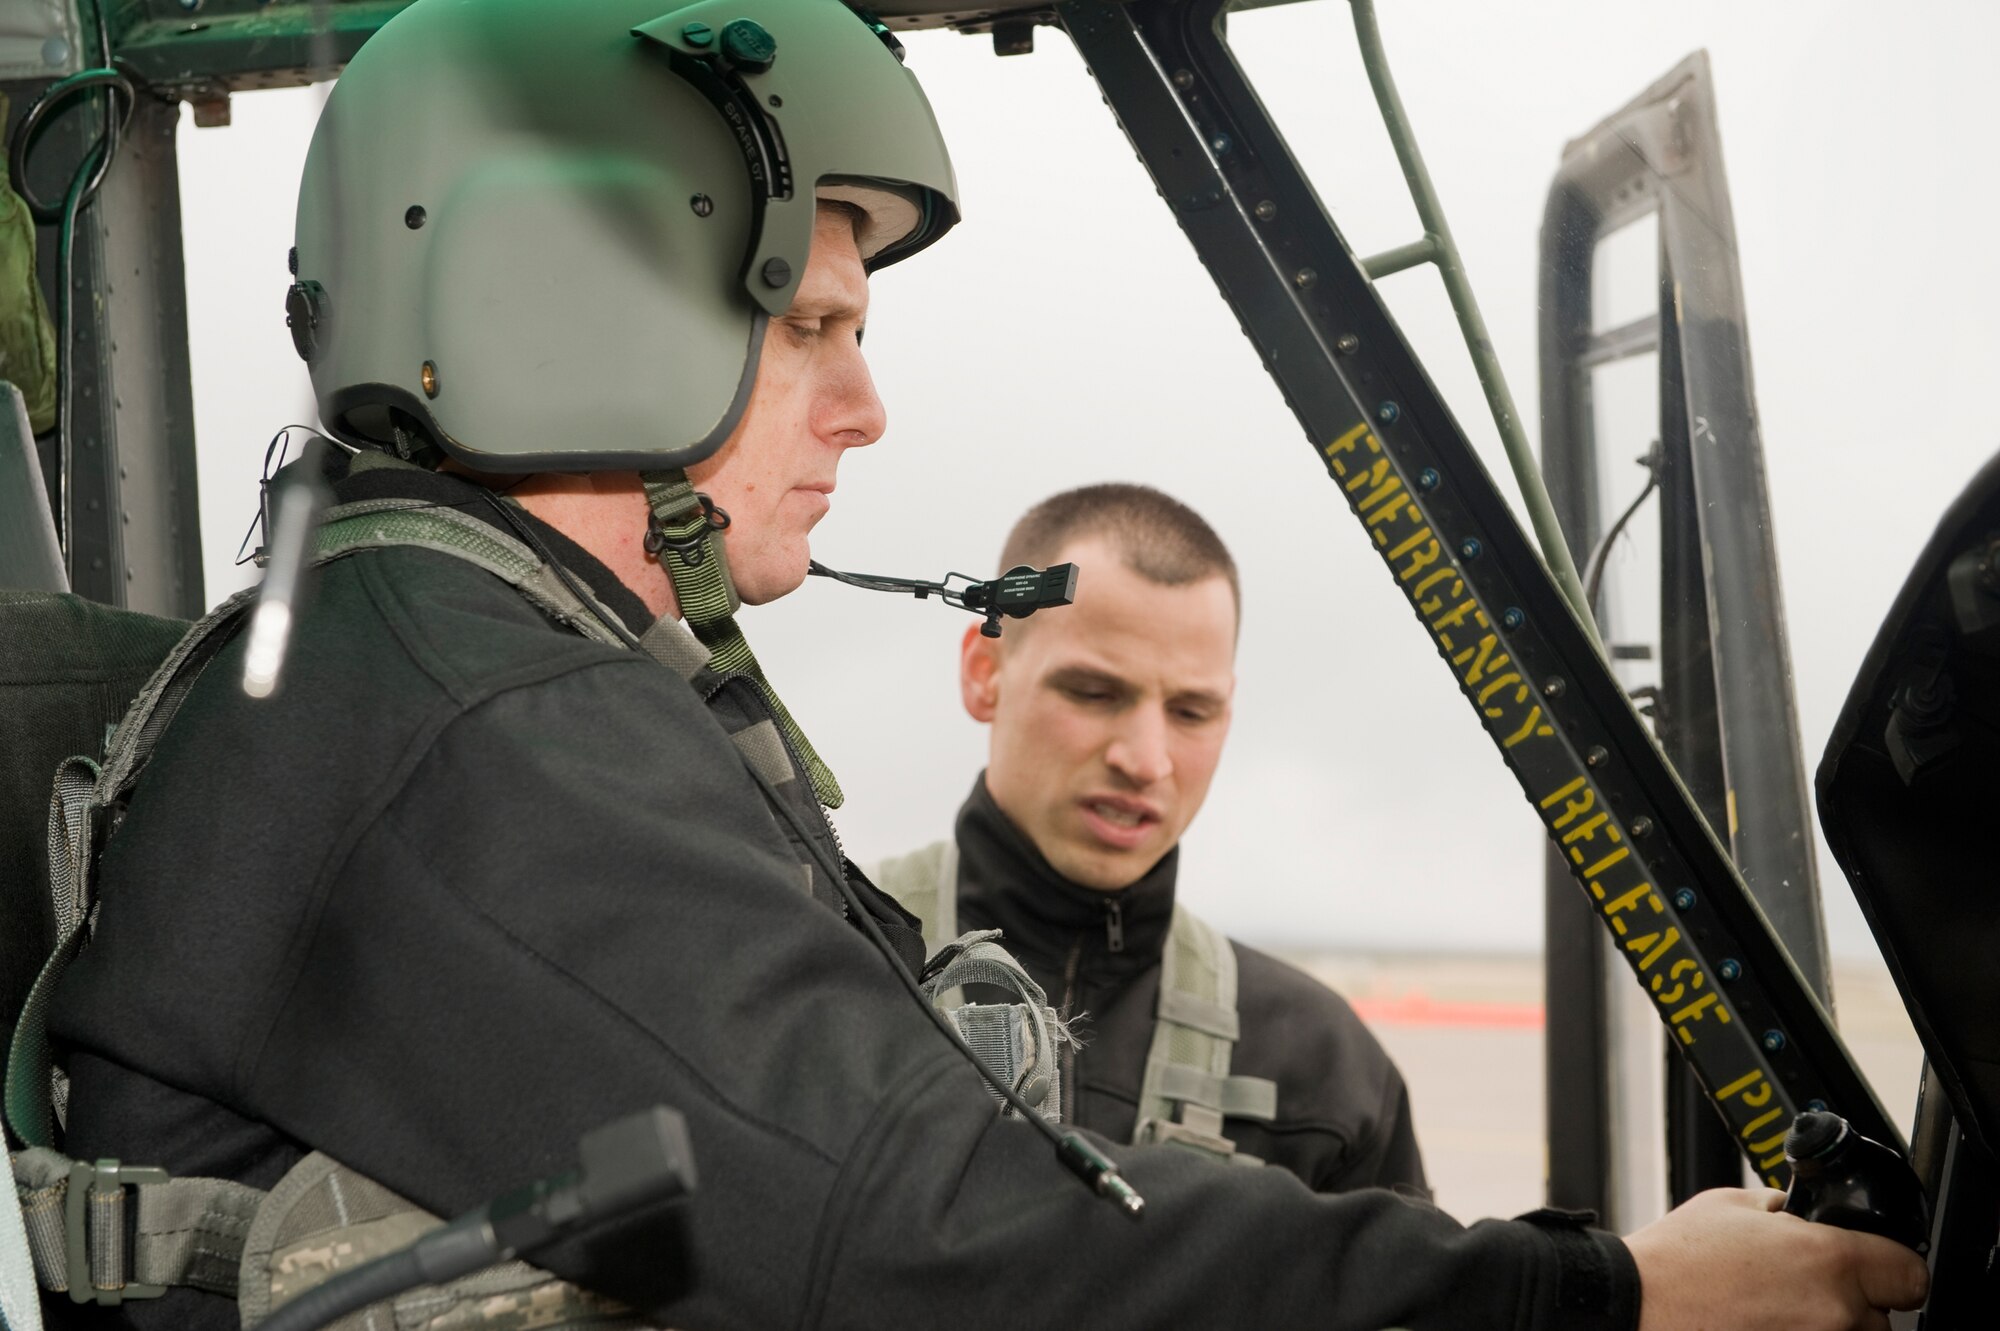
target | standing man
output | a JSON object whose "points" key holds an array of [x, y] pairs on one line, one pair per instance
{"points": [[525, 841], [1106, 723]]}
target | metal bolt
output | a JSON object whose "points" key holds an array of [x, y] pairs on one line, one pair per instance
{"points": [[1220, 144], [429, 377], [1642, 826], [1470, 547], [1817, 1105], [1555, 688], [1512, 618], [749, 45], [1684, 898], [1304, 278], [1773, 1041], [697, 34], [1347, 344], [1183, 79], [702, 205], [777, 273], [1730, 968], [1596, 757], [1387, 413], [1265, 210], [414, 216], [1428, 479]]}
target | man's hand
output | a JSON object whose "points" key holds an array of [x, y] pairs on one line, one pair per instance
{"points": [[1729, 1259]]}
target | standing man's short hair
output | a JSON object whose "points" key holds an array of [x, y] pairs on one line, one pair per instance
{"points": [[1162, 539]]}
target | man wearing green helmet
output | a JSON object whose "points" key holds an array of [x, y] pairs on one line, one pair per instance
{"points": [[526, 841]]}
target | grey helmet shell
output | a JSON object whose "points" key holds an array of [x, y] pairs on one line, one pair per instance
{"points": [[547, 237]]}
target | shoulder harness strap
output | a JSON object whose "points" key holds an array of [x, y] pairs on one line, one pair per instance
{"points": [[1187, 1090], [191, 1231]]}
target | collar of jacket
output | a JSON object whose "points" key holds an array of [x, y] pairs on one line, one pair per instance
{"points": [[1005, 883], [353, 483]]}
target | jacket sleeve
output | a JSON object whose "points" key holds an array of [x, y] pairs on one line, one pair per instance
{"points": [[1389, 1158], [578, 904]]}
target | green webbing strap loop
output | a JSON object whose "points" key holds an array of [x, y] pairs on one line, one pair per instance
{"points": [[1187, 1090], [685, 536]]}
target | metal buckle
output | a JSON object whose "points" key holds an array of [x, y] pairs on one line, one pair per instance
{"points": [[104, 1176], [693, 547]]}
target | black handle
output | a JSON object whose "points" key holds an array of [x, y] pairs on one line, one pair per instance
{"points": [[1840, 1177]]}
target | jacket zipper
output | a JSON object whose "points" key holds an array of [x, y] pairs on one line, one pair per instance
{"points": [[1114, 924]]}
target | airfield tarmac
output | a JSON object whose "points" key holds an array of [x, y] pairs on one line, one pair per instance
{"points": [[1467, 1033]]}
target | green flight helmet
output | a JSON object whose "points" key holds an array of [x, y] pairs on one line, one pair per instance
{"points": [[546, 235]]}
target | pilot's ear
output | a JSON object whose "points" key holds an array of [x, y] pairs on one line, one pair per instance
{"points": [[979, 674]]}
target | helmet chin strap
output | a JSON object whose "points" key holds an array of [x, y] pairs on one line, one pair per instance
{"points": [[685, 534]]}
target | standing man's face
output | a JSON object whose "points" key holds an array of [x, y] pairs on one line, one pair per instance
{"points": [[812, 401], [1108, 715]]}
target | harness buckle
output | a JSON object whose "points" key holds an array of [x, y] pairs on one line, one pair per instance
{"points": [[94, 1226], [692, 548]]}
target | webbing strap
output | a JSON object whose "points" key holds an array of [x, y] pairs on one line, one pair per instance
{"points": [[20, 1302], [29, 1102], [685, 535], [925, 883], [184, 1231], [375, 524], [1187, 1089]]}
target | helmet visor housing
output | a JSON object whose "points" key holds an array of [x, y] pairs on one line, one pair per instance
{"points": [[548, 236]]}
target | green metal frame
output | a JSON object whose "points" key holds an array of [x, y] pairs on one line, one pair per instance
{"points": [[1438, 247]]}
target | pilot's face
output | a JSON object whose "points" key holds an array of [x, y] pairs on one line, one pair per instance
{"points": [[812, 401], [1108, 715]]}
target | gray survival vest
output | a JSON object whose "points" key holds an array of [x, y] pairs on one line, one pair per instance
{"points": [[104, 1232], [1187, 1089]]}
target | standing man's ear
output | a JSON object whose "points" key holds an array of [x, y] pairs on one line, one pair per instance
{"points": [[979, 674]]}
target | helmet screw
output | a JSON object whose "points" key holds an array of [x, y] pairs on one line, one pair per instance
{"points": [[776, 272], [1512, 617], [1642, 826], [1730, 968], [1387, 413], [1470, 547], [1773, 1041], [1265, 210], [1684, 899], [1597, 756], [414, 216], [748, 45], [698, 34], [1428, 478], [429, 376], [1555, 688], [1183, 79], [1347, 344], [702, 205], [1304, 278]]}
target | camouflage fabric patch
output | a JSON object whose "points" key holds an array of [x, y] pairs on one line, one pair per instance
{"points": [[323, 1219]]}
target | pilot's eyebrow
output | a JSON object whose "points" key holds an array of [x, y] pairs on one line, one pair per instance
{"points": [[1203, 697], [1074, 675]]}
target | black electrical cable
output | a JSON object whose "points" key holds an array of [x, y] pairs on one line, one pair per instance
{"points": [[1593, 572]]}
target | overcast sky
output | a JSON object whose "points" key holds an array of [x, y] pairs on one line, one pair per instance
{"points": [[1066, 334]]}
